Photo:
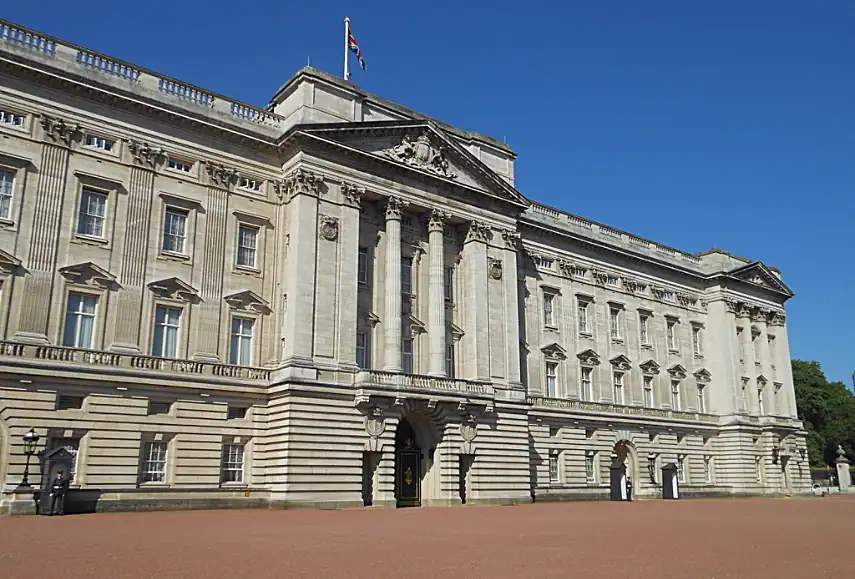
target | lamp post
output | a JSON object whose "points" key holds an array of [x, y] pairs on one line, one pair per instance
{"points": [[30, 441]]}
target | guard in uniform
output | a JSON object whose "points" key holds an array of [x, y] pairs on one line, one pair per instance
{"points": [[57, 494], [629, 488]]}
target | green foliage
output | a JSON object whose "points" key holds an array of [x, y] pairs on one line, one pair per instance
{"points": [[828, 412]]}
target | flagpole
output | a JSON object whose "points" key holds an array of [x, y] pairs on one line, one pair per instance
{"points": [[346, 44]]}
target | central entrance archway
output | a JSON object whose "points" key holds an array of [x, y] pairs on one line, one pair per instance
{"points": [[408, 466], [625, 454]]}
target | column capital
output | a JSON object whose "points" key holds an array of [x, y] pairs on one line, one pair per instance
{"points": [[777, 318], [352, 194], [511, 238], [744, 310], [58, 131], [394, 208], [437, 219], [300, 182], [732, 306], [478, 231], [758, 315]]}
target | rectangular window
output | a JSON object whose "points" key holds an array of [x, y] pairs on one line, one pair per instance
{"points": [[551, 379], [583, 317], [760, 405], [587, 384], [648, 392], [362, 266], [744, 401], [79, 321], [642, 328], [240, 351], [236, 412], [157, 407], [548, 309], [232, 468], [247, 250], [407, 348], [671, 334], [362, 350], [614, 323], [758, 467], [407, 276], [167, 322], [72, 445], [154, 462], [7, 183], [251, 184], [553, 467], [707, 469], [702, 399], [696, 340], [186, 167], [93, 209], [741, 345], [612, 281], [618, 388], [675, 395], [771, 341], [69, 402], [448, 284], [589, 469], [99, 143], [681, 469], [9, 118], [449, 358], [755, 345], [174, 230]]}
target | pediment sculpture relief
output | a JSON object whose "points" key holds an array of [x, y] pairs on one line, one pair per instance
{"points": [[589, 358], [421, 154], [554, 352]]}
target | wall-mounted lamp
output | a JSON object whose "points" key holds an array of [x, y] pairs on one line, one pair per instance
{"points": [[651, 466]]}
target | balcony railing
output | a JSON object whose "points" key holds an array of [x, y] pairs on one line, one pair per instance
{"points": [[426, 383], [79, 357], [564, 403]]}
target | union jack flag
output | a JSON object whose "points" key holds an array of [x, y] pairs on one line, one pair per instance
{"points": [[354, 47]]}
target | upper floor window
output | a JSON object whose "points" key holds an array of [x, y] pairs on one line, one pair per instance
{"points": [[771, 341], [7, 183], [587, 383], [407, 276], [449, 357], [549, 309], [175, 230], [448, 284], [696, 340], [675, 395], [92, 213], [179, 165], [240, 351], [551, 379], [614, 323], [618, 388], [362, 350], [755, 344], [251, 184], [10, 118], [643, 334], [99, 143], [407, 348], [671, 334], [362, 265], [167, 323], [648, 392], [760, 402], [247, 251], [741, 345], [702, 399], [612, 281], [744, 399], [583, 317], [79, 321]]}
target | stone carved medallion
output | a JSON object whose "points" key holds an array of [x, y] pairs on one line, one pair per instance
{"points": [[421, 154], [329, 227], [375, 425], [468, 432], [495, 269]]}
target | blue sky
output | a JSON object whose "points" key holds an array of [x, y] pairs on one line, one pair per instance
{"points": [[697, 124]]}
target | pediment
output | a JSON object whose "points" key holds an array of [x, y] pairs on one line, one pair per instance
{"points": [[248, 301], [418, 326], [174, 288], [554, 351], [702, 375], [88, 274], [372, 319], [419, 146], [589, 357], [621, 362], [8, 263], [677, 371], [649, 367], [456, 331], [760, 275]]}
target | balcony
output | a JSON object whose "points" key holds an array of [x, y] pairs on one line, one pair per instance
{"points": [[426, 384], [602, 407], [71, 359]]}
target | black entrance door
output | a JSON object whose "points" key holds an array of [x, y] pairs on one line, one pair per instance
{"points": [[408, 461]]}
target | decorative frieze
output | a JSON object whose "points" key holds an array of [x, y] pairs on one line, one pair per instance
{"points": [[145, 155], [328, 227], [758, 315], [686, 299], [58, 131], [600, 277]]}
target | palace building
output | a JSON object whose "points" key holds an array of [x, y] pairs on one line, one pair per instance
{"points": [[337, 301]]}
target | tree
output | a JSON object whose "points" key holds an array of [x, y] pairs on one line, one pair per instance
{"points": [[827, 410]]}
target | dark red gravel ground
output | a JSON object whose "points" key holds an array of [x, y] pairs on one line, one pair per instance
{"points": [[739, 539]]}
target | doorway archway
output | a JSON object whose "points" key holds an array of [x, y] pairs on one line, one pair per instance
{"points": [[625, 454], [415, 443]]}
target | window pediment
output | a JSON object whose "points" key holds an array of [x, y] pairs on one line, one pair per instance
{"points": [[554, 352], [88, 274], [174, 288], [677, 371], [251, 218], [248, 301], [99, 181], [650, 367], [371, 319], [9, 264], [702, 375], [417, 325], [456, 331], [621, 362], [179, 201], [589, 357]]}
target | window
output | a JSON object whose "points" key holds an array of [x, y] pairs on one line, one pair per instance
{"points": [[755, 345], [702, 399], [247, 244], [167, 322], [760, 405], [696, 340], [707, 469], [771, 341], [251, 184], [549, 309], [153, 463], [589, 468], [553, 466], [648, 392], [758, 467], [362, 350], [90, 217], [675, 395], [642, 328], [232, 468], [551, 379], [448, 284], [240, 351], [614, 323], [583, 317], [744, 401], [612, 281], [741, 345], [681, 469], [72, 445], [8, 118], [180, 165], [174, 230], [99, 143], [407, 276], [156, 407], [618, 388], [671, 334], [587, 384], [407, 348], [7, 183], [449, 358], [236, 412], [79, 321], [362, 266], [69, 402], [775, 391]]}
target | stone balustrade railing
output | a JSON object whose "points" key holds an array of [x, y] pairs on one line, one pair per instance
{"points": [[426, 383], [79, 357], [564, 403], [129, 78]]}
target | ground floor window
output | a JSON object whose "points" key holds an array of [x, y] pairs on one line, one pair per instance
{"points": [[232, 466], [153, 468]]}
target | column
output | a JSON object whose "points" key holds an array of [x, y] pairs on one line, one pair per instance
{"points": [[748, 359], [392, 319], [512, 308], [436, 299], [477, 338]]}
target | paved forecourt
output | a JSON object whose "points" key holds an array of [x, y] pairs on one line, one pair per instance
{"points": [[741, 538]]}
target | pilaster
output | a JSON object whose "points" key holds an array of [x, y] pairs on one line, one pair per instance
{"points": [[348, 235], [436, 300], [748, 371], [392, 318], [724, 395], [477, 338], [512, 309], [758, 317], [784, 367]]}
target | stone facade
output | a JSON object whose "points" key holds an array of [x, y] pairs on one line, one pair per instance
{"points": [[213, 304]]}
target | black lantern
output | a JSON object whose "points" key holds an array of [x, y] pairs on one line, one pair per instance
{"points": [[776, 452], [31, 439], [651, 466]]}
